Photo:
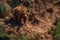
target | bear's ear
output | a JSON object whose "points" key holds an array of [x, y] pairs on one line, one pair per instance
{"points": [[18, 8]]}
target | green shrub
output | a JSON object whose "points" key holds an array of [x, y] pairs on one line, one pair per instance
{"points": [[23, 38], [37, 37], [2, 31], [57, 32], [5, 9], [58, 26], [57, 37], [12, 36]]}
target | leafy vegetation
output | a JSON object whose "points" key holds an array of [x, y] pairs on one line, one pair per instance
{"points": [[37, 37], [5, 9], [57, 32], [3, 34], [58, 26]]}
